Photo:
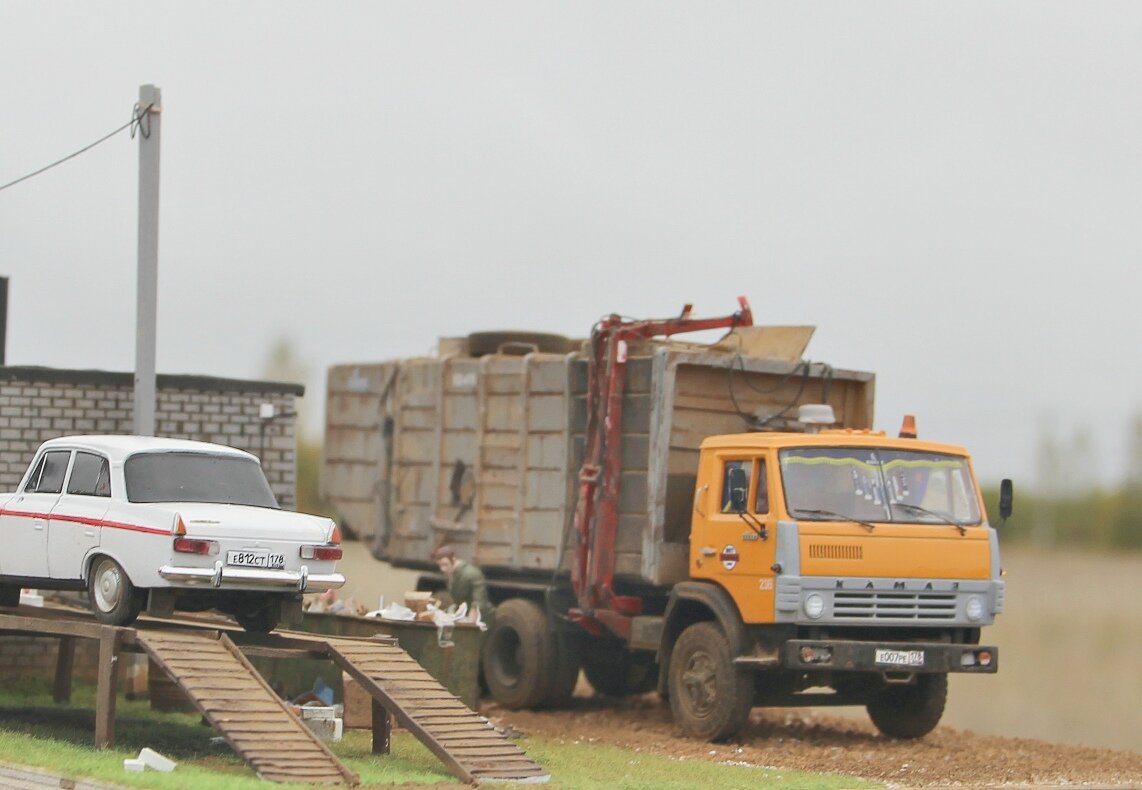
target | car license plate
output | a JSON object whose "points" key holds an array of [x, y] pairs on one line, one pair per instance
{"points": [[255, 559], [900, 658]]}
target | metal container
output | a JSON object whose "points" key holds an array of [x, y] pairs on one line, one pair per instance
{"points": [[483, 452]]}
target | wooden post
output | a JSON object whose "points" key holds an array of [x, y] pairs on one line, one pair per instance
{"points": [[65, 661], [107, 688], [382, 729]]}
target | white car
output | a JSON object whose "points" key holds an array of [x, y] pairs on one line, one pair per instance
{"points": [[163, 524]]}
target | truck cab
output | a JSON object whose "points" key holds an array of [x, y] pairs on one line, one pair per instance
{"points": [[847, 561]]}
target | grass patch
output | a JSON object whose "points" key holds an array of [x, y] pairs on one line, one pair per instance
{"points": [[35, 732]]}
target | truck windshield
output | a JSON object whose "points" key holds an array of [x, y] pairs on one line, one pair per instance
{"points": [[196, 477], [877, 484]]}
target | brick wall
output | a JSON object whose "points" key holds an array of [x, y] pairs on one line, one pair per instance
{"points": [[37, 404]]}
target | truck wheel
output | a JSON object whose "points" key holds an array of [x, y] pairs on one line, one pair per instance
{"points": [[567, 661], [517, 343], [519, 661], [618, 673], [114, 599], [910, 711], [709, 697]]}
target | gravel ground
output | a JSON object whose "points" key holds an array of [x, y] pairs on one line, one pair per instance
{"points": [[810, 741]]}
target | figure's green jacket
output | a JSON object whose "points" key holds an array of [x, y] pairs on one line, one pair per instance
{"points": [[467, 585]]}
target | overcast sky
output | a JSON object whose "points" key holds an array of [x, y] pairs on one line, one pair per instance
{"points": [[949, 192]]}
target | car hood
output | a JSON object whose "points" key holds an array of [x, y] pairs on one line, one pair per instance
{"points": [[208, 520]]}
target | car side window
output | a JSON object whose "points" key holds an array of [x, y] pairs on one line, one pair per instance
{"points": [[49, 474], [90, 476], [728, 484]]}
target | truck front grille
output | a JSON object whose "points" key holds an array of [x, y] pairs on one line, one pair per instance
{"points": [[896, 605]]}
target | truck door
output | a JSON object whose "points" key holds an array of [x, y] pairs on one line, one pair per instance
{"points": [[75, 524], [24, 521], [734, 542]]}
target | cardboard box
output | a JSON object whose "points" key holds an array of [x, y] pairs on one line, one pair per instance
{"points": [[358, 713]]}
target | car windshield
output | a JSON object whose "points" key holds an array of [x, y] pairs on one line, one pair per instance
{"points": [[877, 484], [196, 477]]}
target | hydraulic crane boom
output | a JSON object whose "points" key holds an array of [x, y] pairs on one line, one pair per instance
{"points": [[596, 511]]}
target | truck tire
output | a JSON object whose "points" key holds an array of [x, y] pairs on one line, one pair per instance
{"points": [[517, 343], [709, 696], [910, 711], [519, 659], [114, 599], [567, 661], [619, 673]]}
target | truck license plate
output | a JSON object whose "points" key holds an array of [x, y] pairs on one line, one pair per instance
{"points": [[900, 658], [255, 559]]}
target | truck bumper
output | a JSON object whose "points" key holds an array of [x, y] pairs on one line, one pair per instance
{"points": [[849, 656], [244, 578]]}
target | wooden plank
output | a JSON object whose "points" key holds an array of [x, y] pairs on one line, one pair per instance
{"points": [[65, 661], [107, 689], [382, 729]]}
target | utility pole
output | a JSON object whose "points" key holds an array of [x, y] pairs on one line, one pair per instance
{"points": [[149, 112]]}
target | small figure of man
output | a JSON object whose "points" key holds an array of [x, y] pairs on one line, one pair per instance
{"points": [[466, 583]]}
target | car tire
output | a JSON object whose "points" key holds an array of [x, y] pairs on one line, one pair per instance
{"points": [[709, 696], [519, 660], [260, 621], [114, 599], [9, 595], [910, 711]]}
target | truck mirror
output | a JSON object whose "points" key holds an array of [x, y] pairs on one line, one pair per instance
{"points": [[1006, 497], [739, 489]]}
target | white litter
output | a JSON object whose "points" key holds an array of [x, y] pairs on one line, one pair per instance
{"points": [[133, 766], [156, 761]]}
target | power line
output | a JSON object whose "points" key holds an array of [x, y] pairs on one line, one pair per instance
{"points": [[136, 115]]}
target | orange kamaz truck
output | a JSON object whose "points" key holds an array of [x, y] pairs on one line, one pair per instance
{"points": [[715, 521]]}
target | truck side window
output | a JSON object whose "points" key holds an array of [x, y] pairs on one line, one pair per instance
{"points": [[761, 499], [727, 494], [48, 477], [89, 476]]}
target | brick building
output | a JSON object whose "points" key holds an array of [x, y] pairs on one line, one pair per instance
{"points": [[37, 404]]}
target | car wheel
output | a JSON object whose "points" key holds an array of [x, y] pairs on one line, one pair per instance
{"points": [[9, 595], [709, 696], [910, 711], [260, 621], [114, 599]]}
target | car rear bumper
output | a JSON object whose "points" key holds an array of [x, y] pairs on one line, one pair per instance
{"points": [[220, 574]]}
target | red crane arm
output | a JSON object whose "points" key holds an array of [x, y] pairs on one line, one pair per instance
{"points": [[596, 510]]}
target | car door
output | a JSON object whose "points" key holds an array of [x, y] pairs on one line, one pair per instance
{"points": [[24, 524], [75, 525]]}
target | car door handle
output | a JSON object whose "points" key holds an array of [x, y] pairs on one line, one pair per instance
{"points": [[89, 533], [39, 523], [706, 551]]}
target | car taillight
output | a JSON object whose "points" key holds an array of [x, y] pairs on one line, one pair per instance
{"points": [[321, 552], [195, 546]]}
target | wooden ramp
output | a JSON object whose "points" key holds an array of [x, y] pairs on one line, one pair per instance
{"points": [[462, 739], [235, 699]]}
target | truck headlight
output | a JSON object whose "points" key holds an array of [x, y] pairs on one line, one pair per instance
{"points": [[814, 605], [974, 608]]}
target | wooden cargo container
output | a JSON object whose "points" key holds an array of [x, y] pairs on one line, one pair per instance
{"points": [[483, 452]]}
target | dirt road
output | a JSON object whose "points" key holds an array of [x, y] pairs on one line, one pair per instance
{"points": [[812, 741]]}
